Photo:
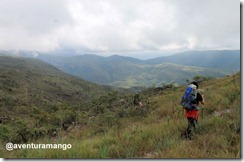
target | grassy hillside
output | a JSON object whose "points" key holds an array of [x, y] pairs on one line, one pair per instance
{"points": [[30, 77], [154, 130], [36, 98]]}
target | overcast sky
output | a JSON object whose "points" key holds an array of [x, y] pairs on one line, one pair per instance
{"points": [[122, 26]]}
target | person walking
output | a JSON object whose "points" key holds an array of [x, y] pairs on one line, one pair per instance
{"points": [[192, 114]]}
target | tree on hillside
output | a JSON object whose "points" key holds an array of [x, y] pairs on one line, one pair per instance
{"points": [[199, 78]]}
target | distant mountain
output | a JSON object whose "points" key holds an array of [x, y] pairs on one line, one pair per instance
{"points": [[97, 69], [129, 72], [216, 59]]}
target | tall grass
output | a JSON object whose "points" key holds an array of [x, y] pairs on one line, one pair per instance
{"points": [[158, 134]]}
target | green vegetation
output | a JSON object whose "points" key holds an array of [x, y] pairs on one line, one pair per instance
{"points": [[36, 99], [128, 72], [51, 107], [228, 60]]}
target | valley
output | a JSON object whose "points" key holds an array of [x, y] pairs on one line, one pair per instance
{"points": [[41, 104], [128, 72]]}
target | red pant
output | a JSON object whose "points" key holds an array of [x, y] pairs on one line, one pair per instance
{"points": [[192, 114]]}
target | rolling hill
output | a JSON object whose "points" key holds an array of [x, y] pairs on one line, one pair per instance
{"points": [[37, 99], [213, 59], [31, 77], [156, 75], [128, 72]]}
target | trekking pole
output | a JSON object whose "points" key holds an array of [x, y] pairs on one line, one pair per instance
{"points": [[202, 113]]}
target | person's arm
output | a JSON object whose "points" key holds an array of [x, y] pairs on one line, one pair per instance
{"points": [[202, 101]]}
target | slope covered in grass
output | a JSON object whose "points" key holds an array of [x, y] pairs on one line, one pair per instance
{"points": [[157, 134], [36, 98]]}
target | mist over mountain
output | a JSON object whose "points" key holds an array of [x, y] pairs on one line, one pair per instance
{"points": [[127, 72], [217, 59]]}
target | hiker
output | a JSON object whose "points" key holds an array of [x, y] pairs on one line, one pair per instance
{"points": [[192, 115]]}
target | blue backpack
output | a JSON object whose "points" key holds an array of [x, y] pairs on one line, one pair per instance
{"points": [[189, 97]]}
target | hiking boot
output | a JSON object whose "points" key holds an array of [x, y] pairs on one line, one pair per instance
{"points": [[185, 135], [189, 137]]}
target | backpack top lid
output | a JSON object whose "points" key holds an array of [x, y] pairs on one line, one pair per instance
{"points": [[195, 83], [192, 86]]}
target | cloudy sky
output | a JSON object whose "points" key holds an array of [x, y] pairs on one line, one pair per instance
{"points": [[122, 26]]}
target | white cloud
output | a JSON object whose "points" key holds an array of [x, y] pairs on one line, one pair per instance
{"points": [[31, 25], [119, 25]]}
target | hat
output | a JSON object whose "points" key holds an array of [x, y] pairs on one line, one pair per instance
{"points": [[195, 83]]}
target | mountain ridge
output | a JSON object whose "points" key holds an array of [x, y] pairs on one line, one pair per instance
{"points": [[209, 60], [119, 70], [115, 69]]}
